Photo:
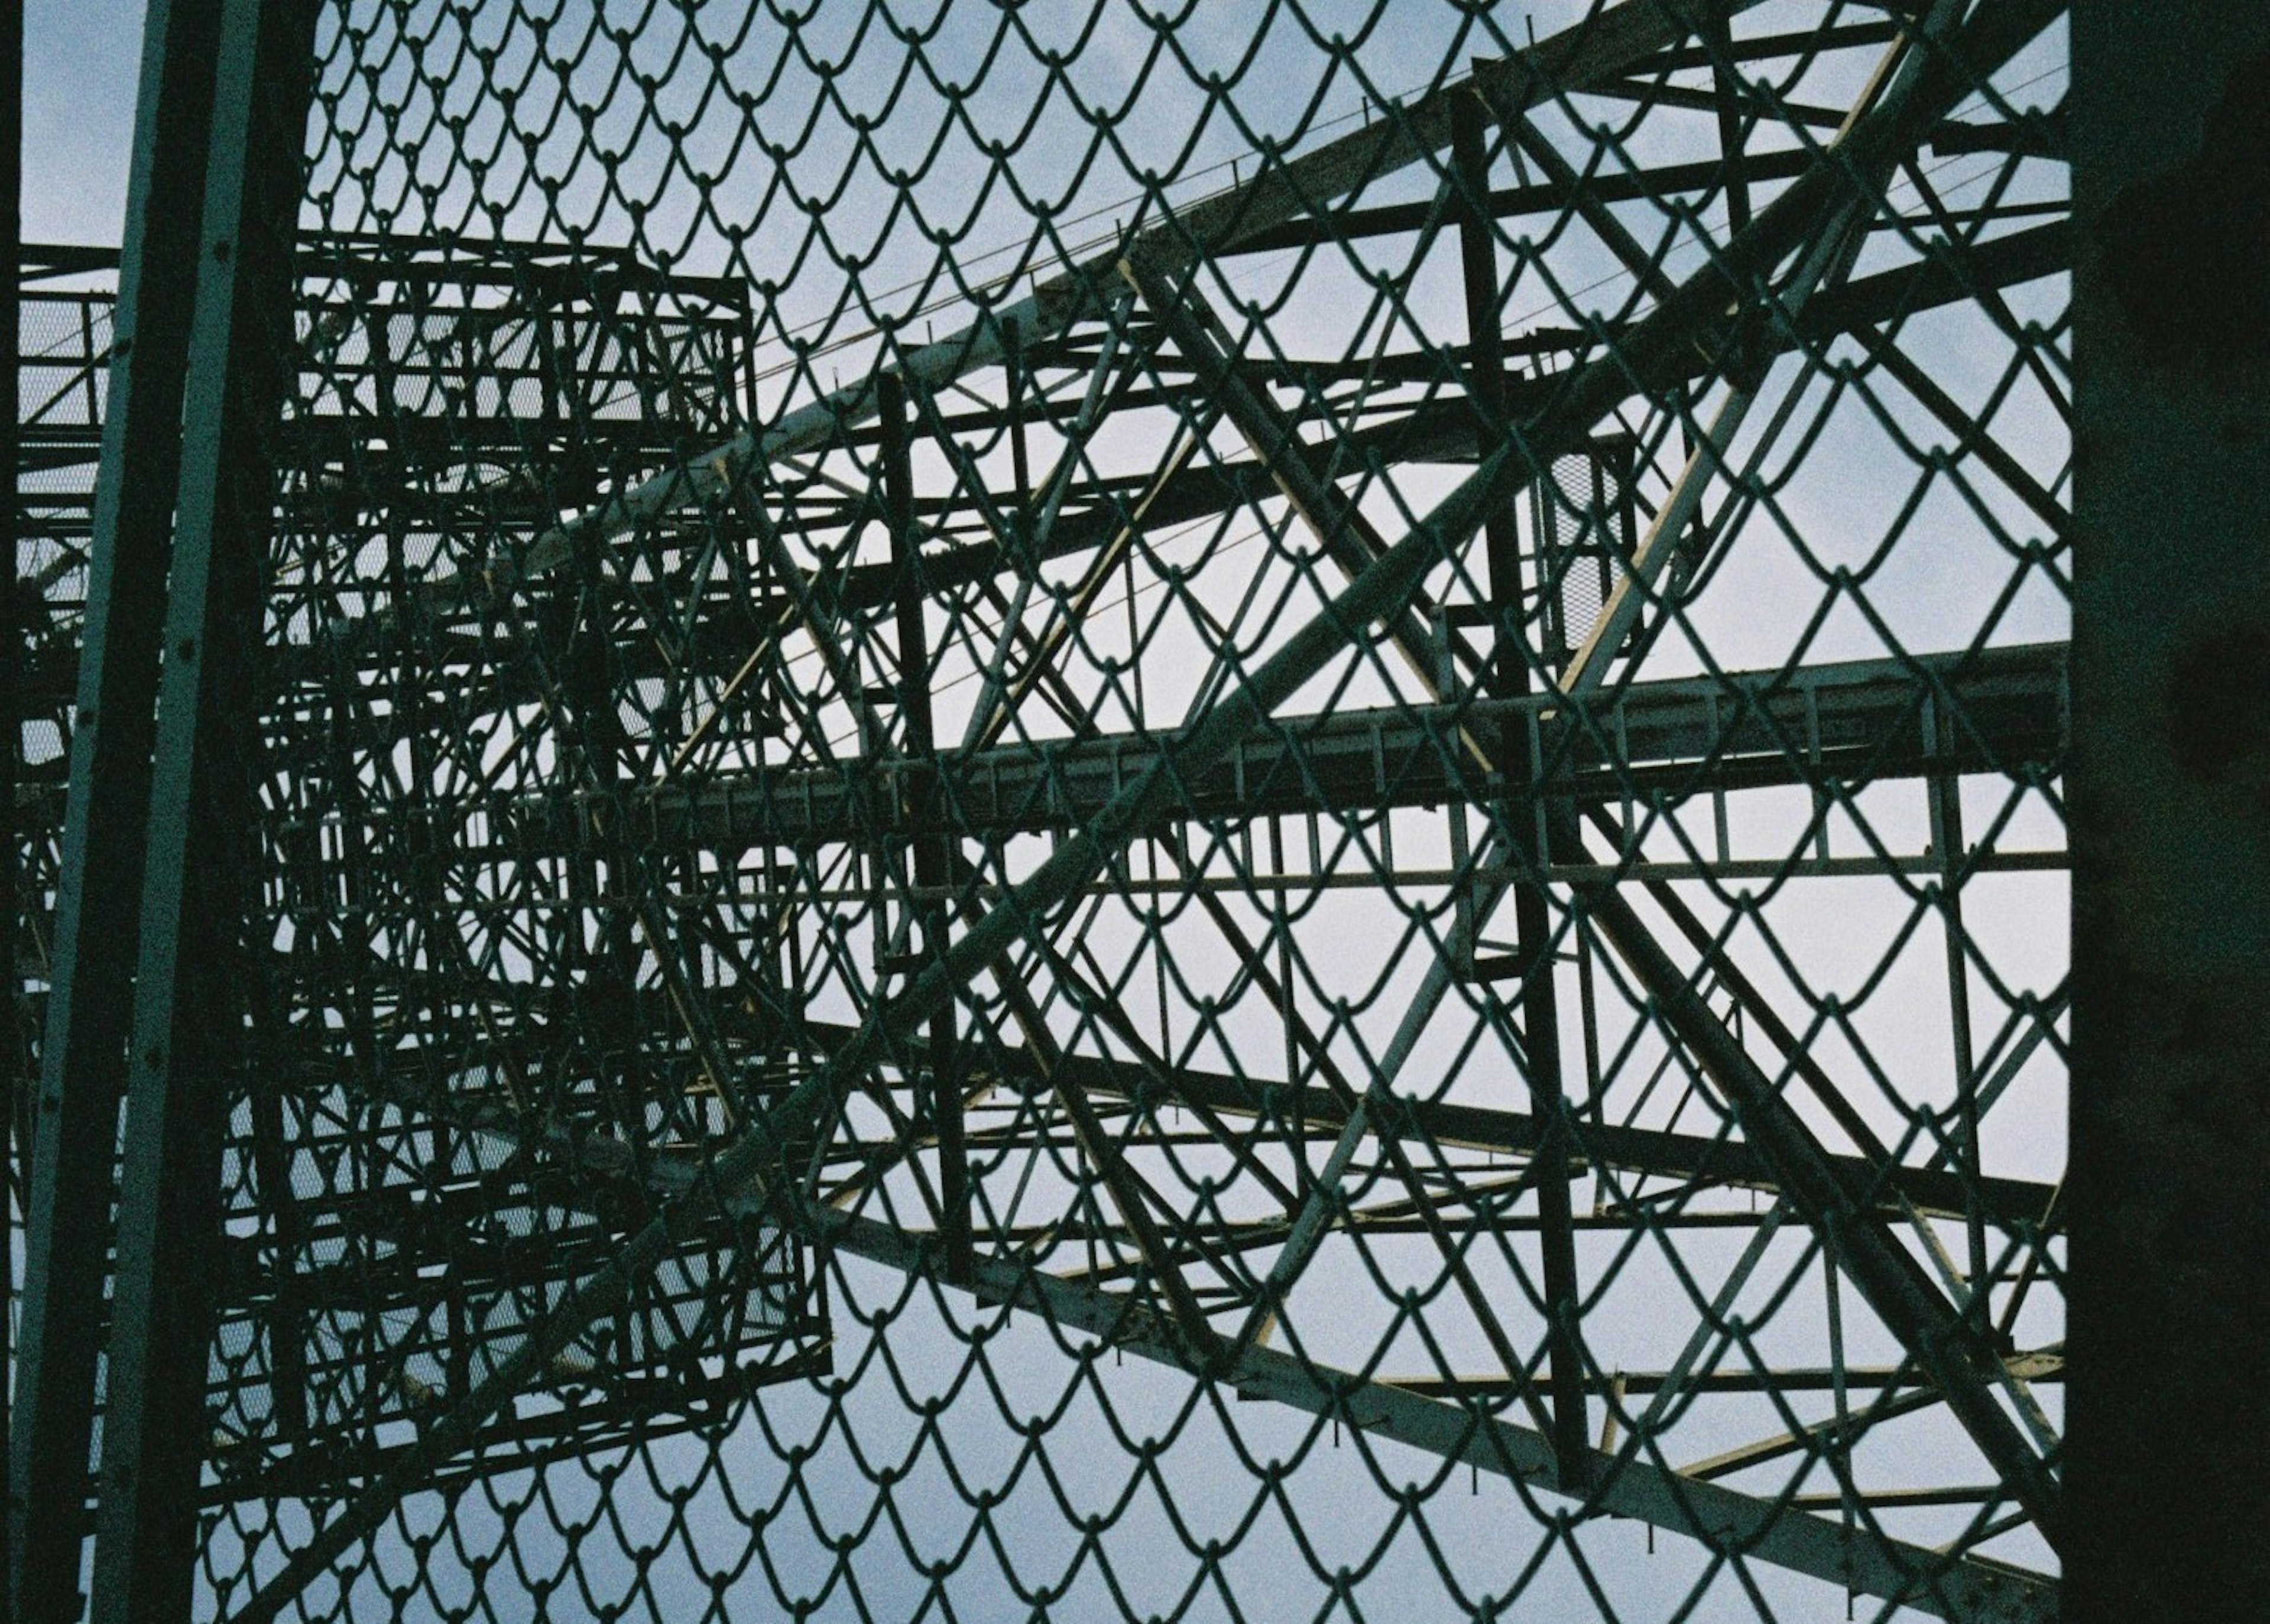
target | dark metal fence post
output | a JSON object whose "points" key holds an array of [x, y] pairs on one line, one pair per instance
{"points": [[14, 1013], [2169, 1288], [75, 1120], [188, 1043]]}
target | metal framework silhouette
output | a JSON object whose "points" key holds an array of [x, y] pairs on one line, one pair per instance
{"points": [[744, 740]]}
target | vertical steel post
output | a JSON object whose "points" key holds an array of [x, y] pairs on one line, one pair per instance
{"points": [[15, 1012], [1726, 79], [933, 865], [2169, 1288], [188, 1041], [82, 1055], [1541, 1009], [1944, 792]]}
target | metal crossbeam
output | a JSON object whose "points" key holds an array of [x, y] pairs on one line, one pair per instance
{"points": [[1683, 738]]}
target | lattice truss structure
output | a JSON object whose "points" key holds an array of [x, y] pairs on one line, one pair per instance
{"points": [[1080, 813], [64, 337]]}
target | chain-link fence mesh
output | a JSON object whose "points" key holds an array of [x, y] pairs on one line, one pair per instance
{"points": [[1071, 811]]}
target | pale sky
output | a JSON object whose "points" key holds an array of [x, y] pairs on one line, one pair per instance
{"points": [[80, 61]]}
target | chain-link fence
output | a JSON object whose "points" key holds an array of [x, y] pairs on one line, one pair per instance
{"points": [[1066, 811]]}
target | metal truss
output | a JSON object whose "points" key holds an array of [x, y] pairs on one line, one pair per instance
{"points": [[1238, 807]]}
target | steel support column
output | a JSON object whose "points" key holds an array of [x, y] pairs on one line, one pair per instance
{"points": [[74, 1134], [924, 812], [1510, 679], [2169, 1288], [188, 1039], [14, 1010]]}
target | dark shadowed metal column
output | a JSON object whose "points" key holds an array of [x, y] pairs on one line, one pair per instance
{"points": [[2169, 1289], [74, 1131], [924, 813], [1534, 948], [15, 1011], [188, 1041]]}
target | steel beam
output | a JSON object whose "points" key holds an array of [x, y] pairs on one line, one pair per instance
{"points": [[2169, 1288], [200, 884], [1701, 1159], [924, 813], [2041, 1365], [105, 827], [16, 903], [1512, 659], [1681, 735]]}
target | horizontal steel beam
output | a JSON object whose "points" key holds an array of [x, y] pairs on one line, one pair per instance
{"points": [[1848, 723], [2039, 1366], [1854, 722], [1698, 1158]]}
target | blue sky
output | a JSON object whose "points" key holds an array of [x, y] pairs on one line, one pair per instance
{"points": [[80, 61]]}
